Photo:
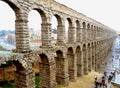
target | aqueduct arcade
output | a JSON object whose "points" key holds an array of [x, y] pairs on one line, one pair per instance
{"points": [[85, 48]]}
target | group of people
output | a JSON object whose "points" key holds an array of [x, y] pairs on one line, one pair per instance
{"points": [[104, 80], [100, 83]]}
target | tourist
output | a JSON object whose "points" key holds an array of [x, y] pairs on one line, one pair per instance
{"points": [[105, 74], [103, 83], [96, 84]]}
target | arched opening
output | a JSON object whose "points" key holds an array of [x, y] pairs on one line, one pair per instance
{"points": [[79, 61], [78, 32], [7, 26], [57, 30], [37, 28], [84, 31], [54, 29], [97, 33], [47, 74], [22, 75], [34, 26], [66, 31], [19, 76], [16, 75], [68, 25], [91, 32], [72, 65], [94, 32], [61, 69], [88, 31], [89, 58], [92, 56], [95, 45], [85, 59], [7, 74]]}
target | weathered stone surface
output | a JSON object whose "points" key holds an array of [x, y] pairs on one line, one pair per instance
{"points": [[84, 49]]}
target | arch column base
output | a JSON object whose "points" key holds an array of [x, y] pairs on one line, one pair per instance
{"points": [[48, 79], [73, 75], [63, 80], [79, 70], [25, 79]]}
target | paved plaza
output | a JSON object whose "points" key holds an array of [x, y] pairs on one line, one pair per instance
{"points": [[112, 63]]}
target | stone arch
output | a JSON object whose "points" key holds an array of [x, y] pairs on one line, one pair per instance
{"points": [[93, 56], [61, 68], [95, 48], [42, 14], [13, 8], [47, 72], [78, 32], [45, 26], [84, 32], [85, 59], [72, 66], [89, 57], [88, 31], [59, 19], [83, 24], [60, 29], [13, 5], [95, 31], [97, 35], [34, 27], [71, 30], [23, 71], [79, 61], [92, 32], [69, 22], [77, 24]]}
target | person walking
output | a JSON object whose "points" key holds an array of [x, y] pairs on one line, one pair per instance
{"points": [[103, 82]]}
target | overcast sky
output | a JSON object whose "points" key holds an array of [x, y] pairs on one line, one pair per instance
{"points": [[104, 11]]}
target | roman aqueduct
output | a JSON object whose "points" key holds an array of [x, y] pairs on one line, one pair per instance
{"points": [[89, 42]]}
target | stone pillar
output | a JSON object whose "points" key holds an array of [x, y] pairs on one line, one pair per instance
{"points": [[90, 34], [62, 76], [84, 34], [96, 59], [78, 34], [47, 75], [81, 35], [87, 34], [24, 77], [93, 34], [22, 32], [85, 61], [60, 35], [90, 59], [46, 34], [71, 35], [72, 68], [93, 58], [80, 64]]}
